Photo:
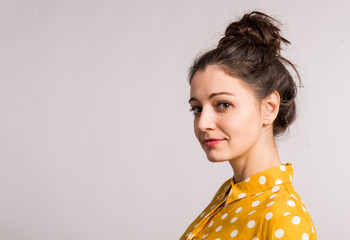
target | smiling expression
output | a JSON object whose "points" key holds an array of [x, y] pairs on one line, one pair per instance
{"points": [[224, 108]]}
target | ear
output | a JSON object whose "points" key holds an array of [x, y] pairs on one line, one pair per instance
{"points": [[270, 108]]}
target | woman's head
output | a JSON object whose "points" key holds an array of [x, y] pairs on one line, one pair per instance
{"points": [[250, 51], [226, 109], [246, 63]]}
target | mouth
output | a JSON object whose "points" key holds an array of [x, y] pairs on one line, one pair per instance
{"points": [[212, 141]]}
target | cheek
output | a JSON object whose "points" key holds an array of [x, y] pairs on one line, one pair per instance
{"points": [[243, 127]]}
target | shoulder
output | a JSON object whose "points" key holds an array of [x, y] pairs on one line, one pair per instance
{"points": [[291, 226], [286, 216]]}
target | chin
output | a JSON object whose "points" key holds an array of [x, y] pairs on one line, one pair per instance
{"points": [[216, 159]]}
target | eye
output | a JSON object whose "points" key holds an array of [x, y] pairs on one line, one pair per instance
{"points": [[195, 110], [224, 104]]}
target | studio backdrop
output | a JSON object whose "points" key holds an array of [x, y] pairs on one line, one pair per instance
{"points": [[96, 140]]}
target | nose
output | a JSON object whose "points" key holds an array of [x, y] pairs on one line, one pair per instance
{"points": [[206, 120]]}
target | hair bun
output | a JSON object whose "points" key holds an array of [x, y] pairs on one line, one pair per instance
{"points": [[258, 28]]}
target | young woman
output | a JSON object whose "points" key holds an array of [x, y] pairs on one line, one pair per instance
{"points": [[242, 97]]}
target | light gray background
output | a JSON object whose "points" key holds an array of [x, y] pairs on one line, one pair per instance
{"points": [[96, 140]]}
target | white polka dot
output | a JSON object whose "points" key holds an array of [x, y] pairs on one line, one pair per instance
{"points": [[262, 180], [251, 224], [286, 213], [238, 210], [303, 208], [269, 204], [279, 233], [226, 187], [241, 195], [292, 195], [188, 234], [291, 178], [233, 219], [305, 236], [278, 181], [296, 220], [218, 239], [283, 168], [212, 206], [202, 214], [206, 235], [291, 203], [218, 229], [275, 188], [226, 205], [252, 212], [255, 238], [273, 195], [247, 180], [234, 233], [302, 201], [224, 216], [312, 228], [211, 224], [195, 225], [268, 215], [255, 203], [258, 194]]}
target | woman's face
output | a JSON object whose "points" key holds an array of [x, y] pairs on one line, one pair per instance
{"points": [[234, 118]]}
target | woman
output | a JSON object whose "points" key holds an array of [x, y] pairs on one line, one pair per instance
{"points": [[243, 96]]}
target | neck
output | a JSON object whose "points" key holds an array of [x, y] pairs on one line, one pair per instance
{"points": [[262, 156]]}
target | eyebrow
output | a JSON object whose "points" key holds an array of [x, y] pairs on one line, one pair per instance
{"points": [[211, 96]]}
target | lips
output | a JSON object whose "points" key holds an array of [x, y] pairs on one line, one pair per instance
{"points": [[209, 142]]}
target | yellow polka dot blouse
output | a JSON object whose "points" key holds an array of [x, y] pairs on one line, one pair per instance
{"points": [[262, 207]]}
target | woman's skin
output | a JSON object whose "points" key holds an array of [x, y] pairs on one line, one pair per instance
{"points": [[244, 124]]}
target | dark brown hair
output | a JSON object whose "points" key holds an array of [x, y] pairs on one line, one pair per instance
{"points": [[250, 51]]}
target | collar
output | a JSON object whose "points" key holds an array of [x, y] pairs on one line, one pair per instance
{"points": [[260, 182]]}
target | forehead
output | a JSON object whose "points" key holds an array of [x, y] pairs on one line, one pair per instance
{"points": [[213, 80]]}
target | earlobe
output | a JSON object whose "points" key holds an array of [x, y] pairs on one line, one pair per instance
{"points": [[271, 107]]}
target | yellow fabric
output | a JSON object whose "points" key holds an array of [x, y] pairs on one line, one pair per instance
{"points": [[262, 207]]}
